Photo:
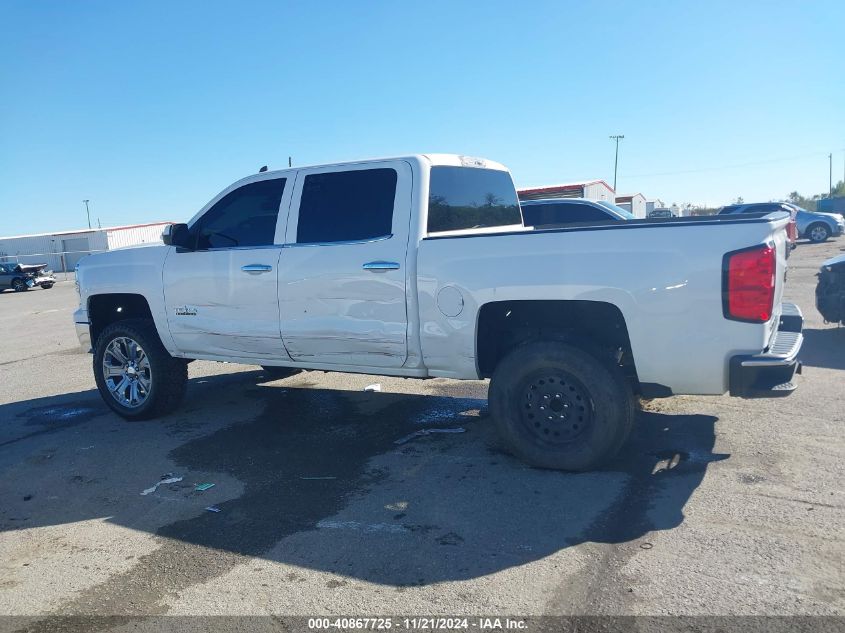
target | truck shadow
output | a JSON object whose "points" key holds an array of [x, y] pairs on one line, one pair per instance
{"points": [[325, 486], [824, 348]]}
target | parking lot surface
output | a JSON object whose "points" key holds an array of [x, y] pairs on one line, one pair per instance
{"points": [[715, 506]]}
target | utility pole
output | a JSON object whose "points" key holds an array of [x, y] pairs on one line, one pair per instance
{"points": [[616, 137], [88, 212], [290, 162], [830, 161]]}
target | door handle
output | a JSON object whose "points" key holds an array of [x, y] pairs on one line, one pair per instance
{"points": [[380, 267], [254, 269]]}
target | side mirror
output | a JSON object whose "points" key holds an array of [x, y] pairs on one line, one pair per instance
{"points": [[177, 235]]}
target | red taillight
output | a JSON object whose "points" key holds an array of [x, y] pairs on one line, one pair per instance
{"points": [[749, 284]]}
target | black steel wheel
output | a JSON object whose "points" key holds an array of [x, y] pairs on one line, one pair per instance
{"points": [[559, 406]]}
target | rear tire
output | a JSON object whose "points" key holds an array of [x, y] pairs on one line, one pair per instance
{"points": [[818, 232], [561, 407], [156, 384], [46, 286], [278, 373], [19, 285]]}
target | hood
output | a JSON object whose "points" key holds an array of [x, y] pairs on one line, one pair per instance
{"points": [[837, 261], [30, 268], [833, 216]]}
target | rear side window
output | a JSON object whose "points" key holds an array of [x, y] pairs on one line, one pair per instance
{"points": [[346, 206], [468, 198], [243, 217], [561, 213]]}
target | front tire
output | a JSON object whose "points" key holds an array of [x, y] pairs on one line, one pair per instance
{"points": [[818, 233], [137, 378], [558, 406]]}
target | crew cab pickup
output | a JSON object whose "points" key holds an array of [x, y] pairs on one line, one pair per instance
{"points": [[421, 267]]}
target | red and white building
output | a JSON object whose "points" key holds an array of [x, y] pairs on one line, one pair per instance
{"points": [[591, 189]]}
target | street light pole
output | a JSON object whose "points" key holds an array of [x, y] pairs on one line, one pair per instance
{"points": [[87, 212], [616, 137]]}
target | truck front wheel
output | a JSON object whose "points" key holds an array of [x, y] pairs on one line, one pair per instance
{"points": [[558, 406], [137, 378]]}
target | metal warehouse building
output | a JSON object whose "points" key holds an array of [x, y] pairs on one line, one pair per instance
{"points": [[61, 251], [592, 190], [634, 203]]}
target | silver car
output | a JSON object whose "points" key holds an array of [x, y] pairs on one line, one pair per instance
{"points": [[814, 226], [20, 277]]}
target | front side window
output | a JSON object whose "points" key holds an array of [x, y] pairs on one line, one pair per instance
{"points": [[244, 217], [471, 198], [346, 206], [761, 208]]}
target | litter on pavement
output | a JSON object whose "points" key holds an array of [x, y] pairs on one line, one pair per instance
{"points": [[213, 509], [201, 487], [373, 387], [168, 479], [421, 432]]}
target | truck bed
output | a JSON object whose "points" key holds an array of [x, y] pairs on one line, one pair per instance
{"points": [[665, 276]]}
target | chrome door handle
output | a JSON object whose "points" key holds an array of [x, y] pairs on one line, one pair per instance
{"points": [[377, 267], [254, 269]]}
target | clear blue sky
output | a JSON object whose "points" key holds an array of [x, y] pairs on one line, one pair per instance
{"points": [[150, 108]]}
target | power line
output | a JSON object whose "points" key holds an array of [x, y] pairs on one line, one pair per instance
{"points": [[734, 166]]}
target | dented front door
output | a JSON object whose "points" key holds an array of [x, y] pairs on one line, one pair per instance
{"points": [[224, 302]]}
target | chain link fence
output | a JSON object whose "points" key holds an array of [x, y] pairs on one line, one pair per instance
{"points": [[62, 263]]}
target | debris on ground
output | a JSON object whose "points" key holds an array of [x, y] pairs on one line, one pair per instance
{"points": [[203, 487], [168, 478], [213, 509], [373, 387], [316, 478], [421, 432]]}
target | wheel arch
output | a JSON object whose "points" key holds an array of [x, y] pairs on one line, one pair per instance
{"points": [[105, 309], [597, 326]]}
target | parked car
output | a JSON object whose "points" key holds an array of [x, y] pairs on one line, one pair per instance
{"points": [[661, 213], [830, 290], [20, 277], [558, 211], [347, 267], [816, 227]]}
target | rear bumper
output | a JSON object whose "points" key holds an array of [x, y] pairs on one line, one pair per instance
{"points": [[769, 374]]}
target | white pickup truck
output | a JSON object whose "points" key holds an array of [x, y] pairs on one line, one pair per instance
{"points": [[420, 266]]}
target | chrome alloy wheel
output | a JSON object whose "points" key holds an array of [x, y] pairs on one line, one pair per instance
{"points": [[818, 234], [126, 372]]}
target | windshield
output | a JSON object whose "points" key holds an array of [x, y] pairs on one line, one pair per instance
{"points": [[619, 210], [471, 198]]}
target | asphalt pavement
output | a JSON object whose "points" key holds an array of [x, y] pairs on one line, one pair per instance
{"points": [[716, 506]]}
